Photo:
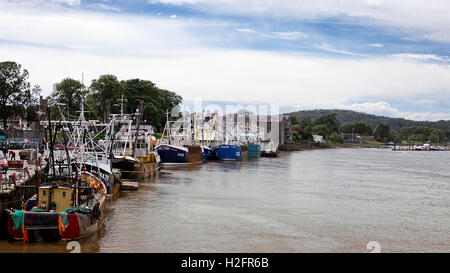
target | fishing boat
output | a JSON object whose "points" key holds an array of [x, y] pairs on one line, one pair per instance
{"points": [[69, 202], [269, 149], [254, 150], [206, 134], [132, 148], [230, 151], [208, 153], [61, 212], [175, 147]]}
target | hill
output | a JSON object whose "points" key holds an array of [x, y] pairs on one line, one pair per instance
{"points": [[346, 116]]}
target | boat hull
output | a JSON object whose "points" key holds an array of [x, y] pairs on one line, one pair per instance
{"points": [[208, 153], [172, 154], [228, 152], [254, 150], [80, 225]]}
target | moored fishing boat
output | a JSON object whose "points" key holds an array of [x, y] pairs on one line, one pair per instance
{"points": [[269, 149], [67, 212], [254, 150], [208, 153], [175, 147], [132, 149], [229, 152]]}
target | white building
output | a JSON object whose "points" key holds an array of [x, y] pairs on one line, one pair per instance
{"points": [[318, 139]]}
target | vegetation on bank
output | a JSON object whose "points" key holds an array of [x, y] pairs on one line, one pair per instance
{"points": [[348, 116], [19, 99], [331, 129]]}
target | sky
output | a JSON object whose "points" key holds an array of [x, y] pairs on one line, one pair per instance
{"points": [[383, 57]]}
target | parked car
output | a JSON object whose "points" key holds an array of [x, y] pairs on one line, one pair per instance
{"points": [[3, 162]]}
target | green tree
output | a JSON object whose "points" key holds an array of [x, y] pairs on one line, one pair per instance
{"points": [[293, 120], [358, 128], [437, 136], [156, 101], [14, 89], [417, 138], [70, 92], [330, 121], [106, 87], [321, 129], [381, 133], [336, 138], [395, 136]]}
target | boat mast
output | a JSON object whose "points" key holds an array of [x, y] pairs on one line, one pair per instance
{"points": [[138, 116]]}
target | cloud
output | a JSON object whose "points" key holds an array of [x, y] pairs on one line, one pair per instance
{"points": [[421, 57], [432, 17], [329, 48], [288, 35], [54, 45], [376, 45], [385, 109], [247, 30]]}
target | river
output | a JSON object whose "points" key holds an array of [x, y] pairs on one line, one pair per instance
{"points": [[330, 200]]}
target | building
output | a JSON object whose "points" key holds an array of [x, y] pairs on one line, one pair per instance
{"points": [[357, 138], [318, 139]]}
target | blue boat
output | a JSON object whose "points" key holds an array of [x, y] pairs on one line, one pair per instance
{"points": [[208, 153], [229, 152], [254, 150], [171, 154]]}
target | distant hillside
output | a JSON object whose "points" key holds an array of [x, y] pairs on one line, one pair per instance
{"points": [[346, 116]]}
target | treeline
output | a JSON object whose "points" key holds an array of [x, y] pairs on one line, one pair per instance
{"points": [[19, 100], [329, 126], [326, 126], [108, 90], [348, 116]]}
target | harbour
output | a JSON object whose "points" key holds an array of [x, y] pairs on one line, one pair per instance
{"points": [[247, 207], [226, 133]]}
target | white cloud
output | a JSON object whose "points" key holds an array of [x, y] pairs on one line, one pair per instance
{"points": [[376, 45], [247, 30], [288, 35], [65, 44], [173, 16], [431, 16], [329, 48], [385, 109], [421, 57]]}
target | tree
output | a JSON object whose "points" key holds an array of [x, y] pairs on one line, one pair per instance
{"points": [[358, 128], [301, 130], [330, 121], [336, 138], [106, 87], [395, 136], [437, 136], [293, 120], [417, 138], [382, 132], [14, 89], [156, 101], [321, 129], [70, 92]]}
